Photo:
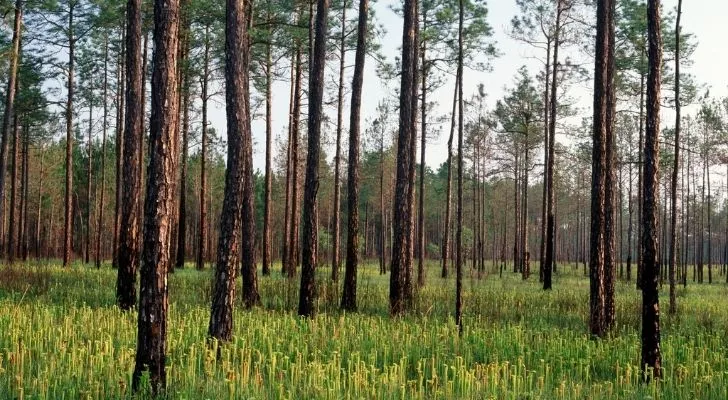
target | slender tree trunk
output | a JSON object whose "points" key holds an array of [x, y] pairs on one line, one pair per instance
{"points": [[337, 158], [640, 186], [348, 300], [158, 206], [185, 104], [651, 358], [525, 255], [102, 180], [448, 190], [13, 231], [675, 166], [630, 208], [544, 199], [549, 259], [24, 198], [423, 143], [10, 93], [129, 234], [293, 232], [38, 245], [382, 216], [68, 215], [459, 237], [120, 76], [87, 241], [268, 155], [251, 297], [287, 220], [202, 233]]}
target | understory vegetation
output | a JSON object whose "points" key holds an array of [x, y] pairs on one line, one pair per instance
{"points": [[66, 338]]}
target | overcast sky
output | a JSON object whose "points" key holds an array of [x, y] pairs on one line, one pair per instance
{"points": [[704, 18]]}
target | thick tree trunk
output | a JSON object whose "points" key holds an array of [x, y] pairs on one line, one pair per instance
{"points": [[309, 243], [600, 220], [410, 239], [610, 186], [348, 299], [129, 233], [158, 205], [651, 358], [401, 220], [231, 223], [10, 93]]}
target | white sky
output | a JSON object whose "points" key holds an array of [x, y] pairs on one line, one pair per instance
{"points": [[704, 18]]}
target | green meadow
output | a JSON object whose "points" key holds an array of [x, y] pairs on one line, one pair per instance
{"points": [[62, 337]]}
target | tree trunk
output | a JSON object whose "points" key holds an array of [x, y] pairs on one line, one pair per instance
{"points": [[651, 358], [337, 158], [293, 231], [129, 244], [13, 232], [268, 156], [401, 220], [459, 237], [38, 240], [423, 143], [87, 241], [102, 180], [448, 190], [10, 93], [309, 243], [68, 214], [549, 261], [120, 76], [348, 299], [202, 233], [600, 220], [287, 220], [185, 100], [24, 199], [158, 206]]}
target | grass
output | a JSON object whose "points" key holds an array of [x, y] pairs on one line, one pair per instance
{"points": [[62, 337]]}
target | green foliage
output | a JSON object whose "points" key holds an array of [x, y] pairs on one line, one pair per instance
{"points": [[519, 342]]}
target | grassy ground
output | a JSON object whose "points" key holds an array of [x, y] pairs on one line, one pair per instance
{"points": [[62, 337]]}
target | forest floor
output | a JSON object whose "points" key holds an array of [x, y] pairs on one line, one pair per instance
{"points": [[61, 336]]}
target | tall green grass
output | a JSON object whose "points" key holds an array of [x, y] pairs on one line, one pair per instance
{"points": [[67, 340]]}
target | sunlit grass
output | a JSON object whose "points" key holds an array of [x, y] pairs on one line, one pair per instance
{"points": [[68, 340]]}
